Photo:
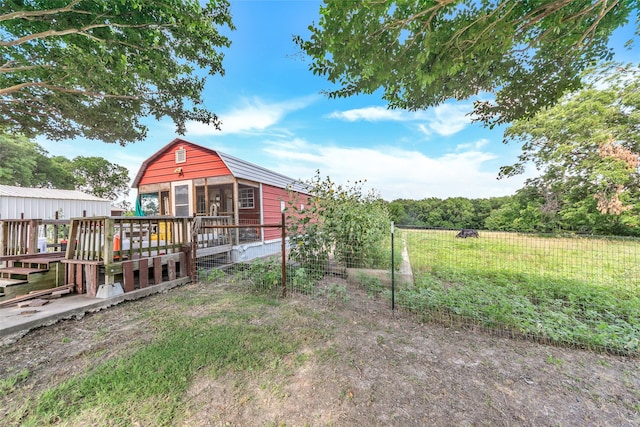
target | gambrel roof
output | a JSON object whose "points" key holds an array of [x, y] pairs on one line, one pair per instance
{"points": [[239, 168]]}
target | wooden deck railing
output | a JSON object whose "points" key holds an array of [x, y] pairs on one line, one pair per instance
{"points": [[112, 239], [118, 246], [22, 236], [211, 231], [19, 237]]}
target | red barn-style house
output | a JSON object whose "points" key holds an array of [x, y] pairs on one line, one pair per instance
{"points": [[186, 179]]}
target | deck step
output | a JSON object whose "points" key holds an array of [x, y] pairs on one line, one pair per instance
{"points": [[11, 282], [10, 272], [42, 262]]}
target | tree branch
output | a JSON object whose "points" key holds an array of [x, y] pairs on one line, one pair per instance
{"points": [[8, 68], [16, 88], [37, 13], [81, 31], [592, 29]]}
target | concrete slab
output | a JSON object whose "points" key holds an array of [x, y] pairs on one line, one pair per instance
{"points": [[14, 325]]}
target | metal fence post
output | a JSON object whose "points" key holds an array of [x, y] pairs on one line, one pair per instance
{"points": [[393, 281], [284, 258]]}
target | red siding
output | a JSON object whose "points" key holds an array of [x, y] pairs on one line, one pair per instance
{"points": [[271, 197], [201, 163]]}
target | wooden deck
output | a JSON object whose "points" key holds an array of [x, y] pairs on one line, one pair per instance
{"points": [[134, 251]]}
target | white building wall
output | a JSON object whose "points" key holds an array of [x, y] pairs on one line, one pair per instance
{"points": [[32, 208]]}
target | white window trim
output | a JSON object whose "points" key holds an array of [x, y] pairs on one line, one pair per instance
{"points": [[241, 205]]}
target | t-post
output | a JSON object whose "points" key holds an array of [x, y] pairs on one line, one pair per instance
{"points": [[393, 282]]}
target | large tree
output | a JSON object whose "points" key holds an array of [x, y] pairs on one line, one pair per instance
{"points": [[95, 68], [100, 177], [25, 163], [587, 149], [421, 53]]}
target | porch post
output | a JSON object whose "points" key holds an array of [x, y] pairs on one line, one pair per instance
{"points": [[236, 211]]}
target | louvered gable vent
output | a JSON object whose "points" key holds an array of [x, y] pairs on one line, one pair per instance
{"points": [[181, 155]]}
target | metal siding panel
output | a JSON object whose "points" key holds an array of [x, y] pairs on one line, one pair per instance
{"points": [[13, 207], [272, 214]]}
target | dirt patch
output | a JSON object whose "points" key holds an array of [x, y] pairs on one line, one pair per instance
{"points": [[364, 366]]}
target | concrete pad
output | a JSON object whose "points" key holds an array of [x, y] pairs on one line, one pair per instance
{"points": [[14, 325], [109, 291]]}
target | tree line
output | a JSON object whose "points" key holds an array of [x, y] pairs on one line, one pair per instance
{"points": [[522, 212], [24, 163]]}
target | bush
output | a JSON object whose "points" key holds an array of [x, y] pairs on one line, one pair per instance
{"points": [[337, 220]]}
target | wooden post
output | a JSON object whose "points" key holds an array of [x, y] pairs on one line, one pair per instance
{"points": [[5, 238], [185, 262], [236, 211], [91, 278], [72, 239], [109, 277], [157, 270], [171, 269], [143, 272], [55, 232], [33, 236], [128, 276]]}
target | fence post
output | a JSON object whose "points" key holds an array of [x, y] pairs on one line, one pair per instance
{"points": [[194, 258], [393, 267], [33, 236], [284, 258]]}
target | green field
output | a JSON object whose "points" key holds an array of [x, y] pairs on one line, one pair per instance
{"points": [[575, 291]]}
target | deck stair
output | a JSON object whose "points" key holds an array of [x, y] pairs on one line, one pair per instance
{"points": [[23, 275]]}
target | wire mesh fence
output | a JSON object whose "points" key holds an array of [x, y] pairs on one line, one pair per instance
{"points": [[567, 290], [281, 271], [564, 290]]}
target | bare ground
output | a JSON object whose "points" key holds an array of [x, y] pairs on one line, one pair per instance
{"points": [[364, 366]]}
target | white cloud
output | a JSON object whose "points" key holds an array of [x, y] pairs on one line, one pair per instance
{"points": [[444, 120], [395, 173], [472, 145], [449, 119], [370, 114], [252, 116]]}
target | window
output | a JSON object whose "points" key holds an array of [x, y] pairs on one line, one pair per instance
{"points": [[181, 155], [246, 198]]}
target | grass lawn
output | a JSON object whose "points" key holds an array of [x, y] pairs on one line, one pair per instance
{"points": [[576, 291], [150, 383]]}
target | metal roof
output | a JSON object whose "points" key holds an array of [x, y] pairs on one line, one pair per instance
{"points": [[46, 193], [245, 170]]}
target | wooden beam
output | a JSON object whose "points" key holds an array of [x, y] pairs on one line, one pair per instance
{"points": [[171, 269], [157, 270], [143, 272], [34, 295], [128, 276]]}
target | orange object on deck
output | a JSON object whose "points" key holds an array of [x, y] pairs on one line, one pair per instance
{"points": [[116, 245]]}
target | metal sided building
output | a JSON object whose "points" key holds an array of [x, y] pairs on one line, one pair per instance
{"points": [[43, 203]]}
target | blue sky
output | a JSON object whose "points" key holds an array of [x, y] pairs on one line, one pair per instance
{"points": [[274, 115]]}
